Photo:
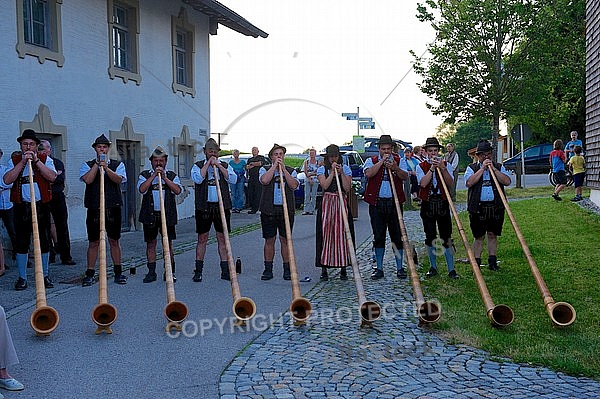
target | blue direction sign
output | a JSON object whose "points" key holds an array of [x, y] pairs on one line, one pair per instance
{"points": [[351, 116], [365, 119], [366, 125]]}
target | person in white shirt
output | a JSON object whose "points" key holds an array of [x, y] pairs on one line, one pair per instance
{"points": [[207, 205], [451, 157]]}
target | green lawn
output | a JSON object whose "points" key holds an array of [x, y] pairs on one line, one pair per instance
{"points": [[564, 240]]}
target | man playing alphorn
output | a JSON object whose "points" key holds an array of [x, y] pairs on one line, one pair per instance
{"points": [[17, 175], [115, 174], [150, 211]]}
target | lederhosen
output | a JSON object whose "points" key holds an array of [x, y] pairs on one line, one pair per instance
{"points": [[208, 212], [113, 202], [435, 210], [151, 218], [485, 215], [273, 214]]}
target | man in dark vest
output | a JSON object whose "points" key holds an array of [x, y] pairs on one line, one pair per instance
{"points": [[382, 171], [150, 210], [486, 210], [207, 205], [58, 209], [17, 175], [271, 209], [115, 174], [253, 166], [435, 208]]}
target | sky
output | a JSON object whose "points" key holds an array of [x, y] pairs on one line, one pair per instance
{"points": [[321, 59]]}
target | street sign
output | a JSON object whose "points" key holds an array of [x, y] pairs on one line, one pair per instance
{"points": [[351, 116], [365, 119], [366, 125], [515, 133]]}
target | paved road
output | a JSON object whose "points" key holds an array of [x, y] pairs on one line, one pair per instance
{"points": [[329, 357]]}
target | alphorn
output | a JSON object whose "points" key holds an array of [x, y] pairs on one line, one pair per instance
{"points": [[427, 311], [44, 318], [104, 314], [369, 310], [499, 315], [244, 308], [300, 307], [175, 311], [562, 314]]}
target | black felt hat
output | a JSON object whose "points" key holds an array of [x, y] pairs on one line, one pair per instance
{"points": [[101, 140], [28, 134]]}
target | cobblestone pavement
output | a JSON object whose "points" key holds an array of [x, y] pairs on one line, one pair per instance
{"points": [[332, 357]]}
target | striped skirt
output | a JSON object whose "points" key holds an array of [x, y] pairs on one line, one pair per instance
{"points": [[335, 249]]}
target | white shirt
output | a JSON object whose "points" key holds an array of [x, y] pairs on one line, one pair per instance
{"points": [[487, 193], [5, 202], [25, 192], [213, 195], [434, 182], [120, 171]]}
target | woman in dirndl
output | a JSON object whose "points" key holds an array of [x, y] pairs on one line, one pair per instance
{"points": [[331, 244]]}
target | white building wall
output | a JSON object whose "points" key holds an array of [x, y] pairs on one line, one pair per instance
{"points": [[81, 96]]}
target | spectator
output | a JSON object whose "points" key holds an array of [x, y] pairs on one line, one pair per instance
{"points": [[451, 157], [58, 209], [8, 357], [419, 153], [577, 166], [238, 198], [411, 167], [6, 213], [254, 187], [570, 146], [311, 184], [557, 161]]}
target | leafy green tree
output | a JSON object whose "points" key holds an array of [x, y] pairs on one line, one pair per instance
{"points": [[470, 68], [465, 135]]}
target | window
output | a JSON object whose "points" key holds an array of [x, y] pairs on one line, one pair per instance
{"points": [[39, 30], [123, 17], [182, 41]]}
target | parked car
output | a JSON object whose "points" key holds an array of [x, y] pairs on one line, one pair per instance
{"points": [[371, 148], [537, 159], [352, 159]]}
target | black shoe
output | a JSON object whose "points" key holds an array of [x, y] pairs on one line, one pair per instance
{"points": [[69, 262], [267, 275], [432, 272], [453, 274], [251, 212], [324, 276], [556, 197], [21, 284], [165, 277], [286, 273], [52, 258], [494, 267], [225, 276], [120, 279], [48, 283], [377, 274], [87, 281], [197, 276], [401, 273], [150, 277], [343, 275]]}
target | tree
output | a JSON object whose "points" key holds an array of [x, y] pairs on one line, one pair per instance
{"points": [[465, 135], [470, 71]]}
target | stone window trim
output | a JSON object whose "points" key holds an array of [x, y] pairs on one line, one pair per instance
{"points": [[181, 24], [42, 53], [133, 7]]}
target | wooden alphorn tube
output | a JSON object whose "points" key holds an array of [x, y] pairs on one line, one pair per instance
{"points": [[300, 307], [369, 310], [175, 311], [562, 314], [243, 308], [44, 318], [427, 311], [104, 314], [499, 315]]}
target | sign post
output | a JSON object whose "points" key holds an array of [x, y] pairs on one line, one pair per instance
{"points": [[522, 133]]}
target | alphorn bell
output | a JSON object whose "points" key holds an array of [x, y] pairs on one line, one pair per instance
{"points": [[243, 308], [562, 314], [499, 315], [427, 311], [175, 311], [300, 307], [104, 314], [369, 310], [44, 318]]}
